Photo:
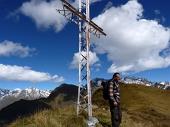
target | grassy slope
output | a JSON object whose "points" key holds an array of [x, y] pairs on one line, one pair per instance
{"points": [[142, 107]]}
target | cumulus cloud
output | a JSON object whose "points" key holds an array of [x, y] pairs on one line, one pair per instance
{"points": [[92, 60], [8, 48], [133, 43], [44, 13], [19, 73]]}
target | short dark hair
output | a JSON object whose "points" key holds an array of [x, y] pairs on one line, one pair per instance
{"points": [[115, 74]]}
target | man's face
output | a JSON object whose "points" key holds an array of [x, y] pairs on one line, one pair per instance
{"points": [[117, 77]]}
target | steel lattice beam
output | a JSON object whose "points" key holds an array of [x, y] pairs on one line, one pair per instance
{"points": [[82, 18]]}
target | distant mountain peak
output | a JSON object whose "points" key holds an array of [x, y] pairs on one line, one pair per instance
{"points": [[8, 97], [137, 81], [3, 92]]}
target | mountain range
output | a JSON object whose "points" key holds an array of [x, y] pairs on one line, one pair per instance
{"points": [[8, 97], [40, 100], [12, 101], [4, 92], [137, 81], [142, 106]]}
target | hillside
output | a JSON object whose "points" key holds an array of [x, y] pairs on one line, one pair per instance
{"points": [[10, 96], [142, 107]]}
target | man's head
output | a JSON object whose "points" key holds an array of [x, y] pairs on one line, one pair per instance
{"points": [[116, 76]]}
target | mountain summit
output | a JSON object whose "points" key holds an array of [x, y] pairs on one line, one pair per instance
{"points": [[4, 92], [10, 96]]}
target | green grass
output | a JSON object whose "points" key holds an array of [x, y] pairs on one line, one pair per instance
{"points": [[141, 106]]}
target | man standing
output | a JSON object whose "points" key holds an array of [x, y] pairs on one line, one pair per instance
{"points": [[114, 100]]}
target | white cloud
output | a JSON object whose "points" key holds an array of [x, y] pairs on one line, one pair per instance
{"points": [[44, 13], [96, 66], [8, 48], [133, 43], [92, 60], [19, 73]]}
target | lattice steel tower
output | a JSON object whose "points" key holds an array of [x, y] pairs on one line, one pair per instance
{"points": [[81, 17]]}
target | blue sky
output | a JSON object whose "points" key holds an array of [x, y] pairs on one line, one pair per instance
{"points": [[47, 48]]}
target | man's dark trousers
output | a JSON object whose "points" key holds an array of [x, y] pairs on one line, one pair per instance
{"points": [[116, 115]]}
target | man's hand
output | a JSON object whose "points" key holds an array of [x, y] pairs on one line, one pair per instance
{"points": [[115, 103]]}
